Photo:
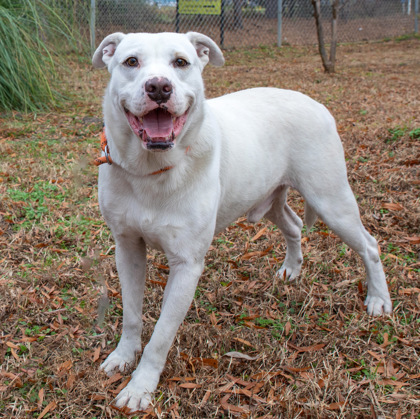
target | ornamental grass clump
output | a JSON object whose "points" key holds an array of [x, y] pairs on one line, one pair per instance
{"points": [[30, 31]]}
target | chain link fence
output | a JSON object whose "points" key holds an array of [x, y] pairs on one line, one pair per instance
{"points": [[234, 23]]}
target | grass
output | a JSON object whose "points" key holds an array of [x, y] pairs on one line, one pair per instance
{"points": [[313, 351], [31, 34]]}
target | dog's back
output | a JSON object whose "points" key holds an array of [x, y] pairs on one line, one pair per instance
{"points": [[271, 137]]}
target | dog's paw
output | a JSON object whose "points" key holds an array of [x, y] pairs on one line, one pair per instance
{"points": [[132, 399], [137, 396], [376, 306], [288, 272], [119, 360]]}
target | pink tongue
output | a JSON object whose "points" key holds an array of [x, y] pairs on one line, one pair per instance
{"points": [[158, 124]]}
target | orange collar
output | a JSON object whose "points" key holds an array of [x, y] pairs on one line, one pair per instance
{"points": [[104, 146], [107, 158]]}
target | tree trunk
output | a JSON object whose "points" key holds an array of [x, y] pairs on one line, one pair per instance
{"points": [[335, 7], [327, 62]]}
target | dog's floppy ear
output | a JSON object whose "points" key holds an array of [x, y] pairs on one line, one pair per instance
{"points": [[207, 49], [106, 49]]}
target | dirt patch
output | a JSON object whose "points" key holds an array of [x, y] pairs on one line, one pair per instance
{"points": [[311, 349]]}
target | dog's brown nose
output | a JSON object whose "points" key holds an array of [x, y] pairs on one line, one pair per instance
{"points": [[159, 89]]}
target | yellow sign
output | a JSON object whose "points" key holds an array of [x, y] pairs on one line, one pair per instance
{"points": [[199, 7]]}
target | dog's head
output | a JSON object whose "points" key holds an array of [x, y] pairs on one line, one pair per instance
{"points": [[156, 81]]}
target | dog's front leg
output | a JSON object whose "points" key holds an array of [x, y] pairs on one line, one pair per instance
{"points": [[131, 265], [177, 299]]}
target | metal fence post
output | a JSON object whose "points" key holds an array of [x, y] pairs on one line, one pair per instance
{"points": [[222, 24], [279, 21], [92, 24], [177, 17]]}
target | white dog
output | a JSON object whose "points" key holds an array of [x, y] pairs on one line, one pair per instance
{"points": [[183, 168]]}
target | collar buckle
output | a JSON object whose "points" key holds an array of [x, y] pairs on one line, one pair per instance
{"points": [[107, 155]]}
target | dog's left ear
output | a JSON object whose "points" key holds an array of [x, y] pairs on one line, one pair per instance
{"points": [[106, 50], [207, 49]]}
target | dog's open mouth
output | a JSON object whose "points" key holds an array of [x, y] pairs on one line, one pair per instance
{"points": [[157, 129]]}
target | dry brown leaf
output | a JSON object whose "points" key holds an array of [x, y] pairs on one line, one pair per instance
{"points": [[335, 406], [97, 397], [376, 356], [51, 406], [213, 318], [386, 342], [161, 283], [12, 345], [413, 290], [15, 355], [250, 255], [175, 379], [312, 348], [190, 385], [122, 385], [70, 381], [210, 362], [16, 381], [294, 369], [360, 288], [160, 266], [40, 397], [96, 354], [232, 408], [65, 365], [413, 239], [205, 398], [245, 342], [307, 375], [392, 383], [259, 234], [116, 377], [287, 328], [392, 206]]}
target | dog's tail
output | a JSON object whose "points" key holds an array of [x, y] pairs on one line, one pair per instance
{"points": [[310, 216]]}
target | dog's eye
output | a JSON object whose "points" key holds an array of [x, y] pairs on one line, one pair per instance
{"points": [[131, 62], [180, 62]]}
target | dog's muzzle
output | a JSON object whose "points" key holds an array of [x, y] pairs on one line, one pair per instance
{"points": [[158, 129]]}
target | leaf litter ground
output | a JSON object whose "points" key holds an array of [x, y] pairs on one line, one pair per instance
{"points": [[252, 345]]}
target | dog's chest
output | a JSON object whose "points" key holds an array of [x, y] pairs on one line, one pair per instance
{"points": [[155, 225], [132, 211]]}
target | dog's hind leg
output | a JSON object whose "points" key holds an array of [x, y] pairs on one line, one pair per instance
{"points": [[290, 225], [337, 207]]}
